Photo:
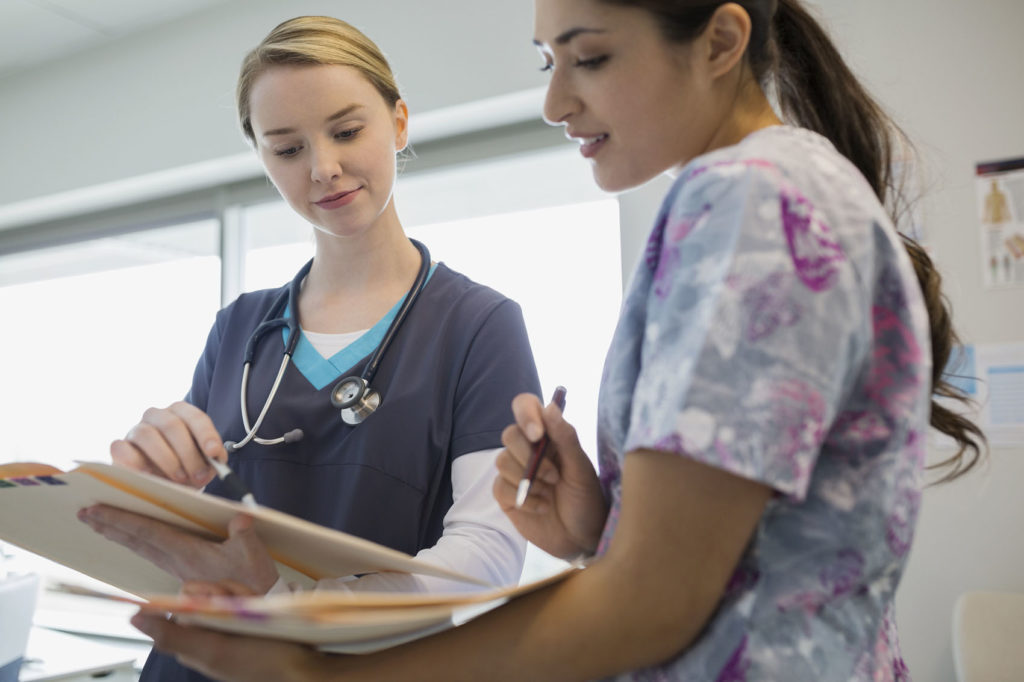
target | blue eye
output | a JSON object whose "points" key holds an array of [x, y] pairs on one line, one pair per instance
{"points": [[290, 151]]}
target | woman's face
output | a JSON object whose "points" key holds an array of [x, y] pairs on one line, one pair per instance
{"points": [[328, 141], [638, 105]]}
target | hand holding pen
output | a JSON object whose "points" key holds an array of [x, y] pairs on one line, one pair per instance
{"points": [[539, 450], [180, 443], [558, 506], [233, 485]]}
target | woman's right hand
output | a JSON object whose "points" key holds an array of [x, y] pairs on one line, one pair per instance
{"points": [[170, 442], [565, 512]]}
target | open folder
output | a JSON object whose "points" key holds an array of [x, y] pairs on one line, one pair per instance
{"points": [[39, 506], [38, 511], [338, 622]]}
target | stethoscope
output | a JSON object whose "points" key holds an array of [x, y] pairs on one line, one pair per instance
{"points": [[352, 395]]}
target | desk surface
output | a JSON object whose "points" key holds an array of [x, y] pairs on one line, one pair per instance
{"points": [[53, 655]]}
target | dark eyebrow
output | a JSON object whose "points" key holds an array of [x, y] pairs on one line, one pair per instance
{"points": [[341, 113], [570, 34]]}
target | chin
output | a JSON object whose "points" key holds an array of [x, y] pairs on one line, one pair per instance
{"points": [[622, 179], [614, 182]]}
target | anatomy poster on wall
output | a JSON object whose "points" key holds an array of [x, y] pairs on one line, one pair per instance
{"points": [[1001, 200]]}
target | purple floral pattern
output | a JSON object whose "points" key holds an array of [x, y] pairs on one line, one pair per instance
{"points": [[775, 329]]}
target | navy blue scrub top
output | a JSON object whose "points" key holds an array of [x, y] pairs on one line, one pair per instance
{"points": [[446, 384]]}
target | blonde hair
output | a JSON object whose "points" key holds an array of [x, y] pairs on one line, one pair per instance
{"points": [[314, 40]]}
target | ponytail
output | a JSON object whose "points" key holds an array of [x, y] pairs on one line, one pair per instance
{"points": [[789, 52], [817, 90]]}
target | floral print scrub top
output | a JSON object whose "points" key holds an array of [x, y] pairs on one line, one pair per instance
{"points": [[775, 329]]}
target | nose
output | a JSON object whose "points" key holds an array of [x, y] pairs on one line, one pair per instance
{"points": [[560, 101], [325, 165]]}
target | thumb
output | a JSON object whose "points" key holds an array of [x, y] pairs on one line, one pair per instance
{"points": [[562, 435], [240, 526]]}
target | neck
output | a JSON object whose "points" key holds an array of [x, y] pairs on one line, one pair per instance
{"points": [[355, 263], [356, 279], [748, 109]]}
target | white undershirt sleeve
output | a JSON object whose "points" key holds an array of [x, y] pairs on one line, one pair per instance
{"points": [[478, 540]]}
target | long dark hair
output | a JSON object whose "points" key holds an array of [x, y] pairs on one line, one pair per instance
{"points": [[791, 55]]}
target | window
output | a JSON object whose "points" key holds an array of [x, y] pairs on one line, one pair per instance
{"points": [[99, 331]]}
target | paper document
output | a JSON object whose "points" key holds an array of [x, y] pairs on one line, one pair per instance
{"points": [[340, 622], [39, 506]]}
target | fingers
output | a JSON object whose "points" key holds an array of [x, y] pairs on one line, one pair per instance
{"points": [[172, 442], [203, 589], [534, 420], [135, 532], [229, 657], [178, 552], [201, 429], [527, 411], [224, 588], [257, 568], [124, 454], [539, 500], [190, 645]]}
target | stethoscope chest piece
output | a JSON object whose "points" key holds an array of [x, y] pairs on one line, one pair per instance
{"points": [[356, 400]]}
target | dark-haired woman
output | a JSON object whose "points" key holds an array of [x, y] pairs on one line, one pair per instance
{"points": [[766, 396]]}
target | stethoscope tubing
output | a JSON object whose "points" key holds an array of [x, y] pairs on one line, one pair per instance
{"points": [[414, 291], [275, 319]]}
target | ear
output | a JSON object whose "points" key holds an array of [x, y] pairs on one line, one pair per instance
{"points": [[401, 125], [726, 37]]}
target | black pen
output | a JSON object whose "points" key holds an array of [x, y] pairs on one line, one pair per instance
{"points": [[538, 454]]}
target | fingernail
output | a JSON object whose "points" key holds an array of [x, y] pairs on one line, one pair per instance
{"points": [[201, 475], [549, 476], [534, 432], [212, 447], [180, 476]]}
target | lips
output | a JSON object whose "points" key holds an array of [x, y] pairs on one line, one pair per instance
{"points": [[338, 199], [589, 144]]}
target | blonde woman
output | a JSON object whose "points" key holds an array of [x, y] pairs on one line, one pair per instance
{"points": [[409, 462]]}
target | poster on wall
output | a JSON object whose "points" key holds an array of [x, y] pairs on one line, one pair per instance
{"points": [[1000, 186]]}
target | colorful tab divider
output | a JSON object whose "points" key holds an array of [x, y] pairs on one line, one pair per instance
{"points": [[30, 480]]}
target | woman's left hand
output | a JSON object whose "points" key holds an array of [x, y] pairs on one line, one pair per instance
{"points": [[242, 557], [227, 657]]}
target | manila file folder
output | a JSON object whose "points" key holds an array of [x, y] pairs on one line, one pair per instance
{"points": [[38, 512]]}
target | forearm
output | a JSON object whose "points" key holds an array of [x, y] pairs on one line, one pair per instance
{"points": [[604, 620], [682, 529]]}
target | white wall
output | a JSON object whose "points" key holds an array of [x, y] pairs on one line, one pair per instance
{"points": [[951, 73], [164, 98], [949, 70]]}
